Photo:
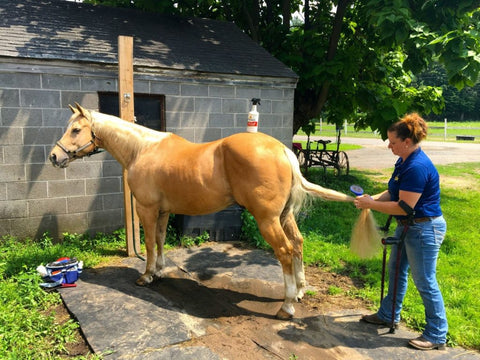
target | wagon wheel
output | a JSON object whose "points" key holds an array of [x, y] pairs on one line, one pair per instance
{"points": [[342, 167]]}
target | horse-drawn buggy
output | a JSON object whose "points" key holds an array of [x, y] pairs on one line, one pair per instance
{"points": [[316, 153]]}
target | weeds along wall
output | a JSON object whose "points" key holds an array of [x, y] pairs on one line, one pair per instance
{"points": [[36, 198]]}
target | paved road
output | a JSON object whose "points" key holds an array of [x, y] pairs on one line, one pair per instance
{"points": [[375, 154]]}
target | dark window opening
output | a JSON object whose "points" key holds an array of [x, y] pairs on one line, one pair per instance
{"points": [[149, 109]]}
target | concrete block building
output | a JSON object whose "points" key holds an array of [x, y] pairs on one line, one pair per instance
{"points": [[194, 77]]}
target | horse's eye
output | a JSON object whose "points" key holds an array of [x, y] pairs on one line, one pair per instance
{"points": [[76, 130]]}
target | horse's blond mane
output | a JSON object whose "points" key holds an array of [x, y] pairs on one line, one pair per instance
{"points": [[119, 124], [112, 127], [124, 140]]}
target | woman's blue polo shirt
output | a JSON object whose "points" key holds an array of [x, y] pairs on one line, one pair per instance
{"points": [[417, 174]]}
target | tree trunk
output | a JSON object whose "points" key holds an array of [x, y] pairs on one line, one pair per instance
{"points": [[332, 50], [310, 104], [306, 14], [286, 14], [251, 15]]}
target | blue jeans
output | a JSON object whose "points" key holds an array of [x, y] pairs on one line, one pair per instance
{"points": [[420, 253]]}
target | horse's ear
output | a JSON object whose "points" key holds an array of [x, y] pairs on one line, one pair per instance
{"points": [[84, 112], [72, 108]]}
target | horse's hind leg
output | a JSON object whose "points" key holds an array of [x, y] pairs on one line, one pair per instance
{"points": [[273, 233], [160, 239], [293, 233]]}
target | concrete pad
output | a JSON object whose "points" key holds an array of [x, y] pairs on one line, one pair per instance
{"points": [[219, 301]]}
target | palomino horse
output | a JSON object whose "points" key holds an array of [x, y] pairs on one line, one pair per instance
{"points": [[168, 174]]}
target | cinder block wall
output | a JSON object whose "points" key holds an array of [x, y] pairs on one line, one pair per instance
{"points": [[87, 196]]}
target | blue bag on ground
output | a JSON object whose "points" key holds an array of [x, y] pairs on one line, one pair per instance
{"points": [[62, 272]]}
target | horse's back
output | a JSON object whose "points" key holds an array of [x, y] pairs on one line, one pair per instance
{"points": [[255, 152], [251, 143], [257, 169]]}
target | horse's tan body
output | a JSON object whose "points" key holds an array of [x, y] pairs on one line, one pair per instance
{"points": [[168, 174]]}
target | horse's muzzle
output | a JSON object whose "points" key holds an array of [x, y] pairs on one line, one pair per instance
{"points": [[58, 161]]}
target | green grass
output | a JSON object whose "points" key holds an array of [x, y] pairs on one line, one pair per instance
{"points": [[28, 329], [436, 131]]}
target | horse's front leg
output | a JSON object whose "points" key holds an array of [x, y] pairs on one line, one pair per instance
{"points": [[160, 235], [148, 218]]}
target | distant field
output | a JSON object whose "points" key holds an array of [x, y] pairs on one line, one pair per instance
{"points": [[436, 131]]}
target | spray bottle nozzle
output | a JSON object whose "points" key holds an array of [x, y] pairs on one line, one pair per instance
{"points": [[256, 101]]}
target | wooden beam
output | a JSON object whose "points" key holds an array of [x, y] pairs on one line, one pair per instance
{"points": [[126, 107]]}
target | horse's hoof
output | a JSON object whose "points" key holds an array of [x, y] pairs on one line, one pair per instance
{"points": [[283, 315], [140, 282], [300, 295], [144, 280], [159, 274]]}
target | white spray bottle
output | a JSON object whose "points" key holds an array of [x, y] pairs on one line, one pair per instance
{"points": [[252, 122]]}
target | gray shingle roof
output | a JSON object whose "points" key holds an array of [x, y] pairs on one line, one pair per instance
{"points": [[61, 30]]}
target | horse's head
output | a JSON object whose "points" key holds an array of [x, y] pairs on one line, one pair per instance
{"points": [[78, 140]]}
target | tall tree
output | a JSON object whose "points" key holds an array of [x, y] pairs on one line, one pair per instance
{"points": [[461, 104], [355, 58], [382, 45]]}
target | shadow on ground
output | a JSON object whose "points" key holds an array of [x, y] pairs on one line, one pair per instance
{"points": [[219, 302]]}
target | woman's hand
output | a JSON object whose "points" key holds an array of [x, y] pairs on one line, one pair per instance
{"points": [[363, 202], [382, 203]]}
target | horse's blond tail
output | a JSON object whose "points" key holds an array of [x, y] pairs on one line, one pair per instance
{"points": [[365, 241], [301, 187]]}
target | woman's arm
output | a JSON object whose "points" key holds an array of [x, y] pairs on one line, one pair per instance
{"points": [[383, 196], [382, 203]]}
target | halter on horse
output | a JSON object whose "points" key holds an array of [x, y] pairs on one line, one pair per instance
{"points": [[168, 174]]}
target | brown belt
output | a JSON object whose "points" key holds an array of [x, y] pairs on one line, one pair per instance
{"points": [[417, 220]]}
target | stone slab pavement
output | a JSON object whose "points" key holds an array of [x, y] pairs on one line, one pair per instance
{"points": [[218, 301]]}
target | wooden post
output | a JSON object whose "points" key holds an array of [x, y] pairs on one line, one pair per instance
{"points": [[126, 107]]}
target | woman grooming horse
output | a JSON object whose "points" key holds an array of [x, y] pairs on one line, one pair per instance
{"points": [[168, 174]]}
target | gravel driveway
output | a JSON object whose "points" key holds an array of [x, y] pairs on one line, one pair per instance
{"points": [[375, 154]]}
